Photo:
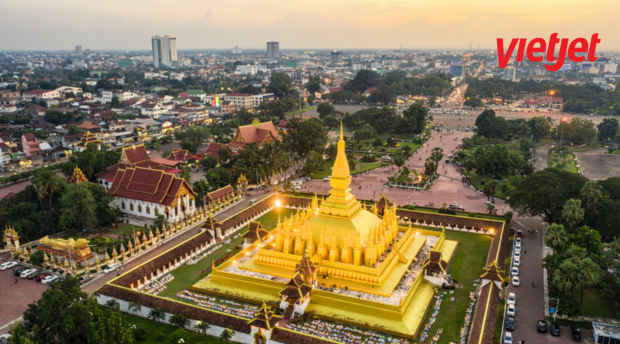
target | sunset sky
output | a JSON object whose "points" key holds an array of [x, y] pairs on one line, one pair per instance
{"points": [[319, 24]]}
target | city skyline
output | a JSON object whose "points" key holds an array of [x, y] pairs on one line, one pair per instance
{"points": [[449, 25]]}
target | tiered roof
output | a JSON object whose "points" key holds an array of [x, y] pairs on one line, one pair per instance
{"points": [[435, 263], [265, 318], [259, 133], [180, 155], [220, 193], [492, 272], [255, 232], [77, 177], [211, 223], [89, 138], [132, 157], [296, 288], [305, 266], [148, 185], [213, 150]]}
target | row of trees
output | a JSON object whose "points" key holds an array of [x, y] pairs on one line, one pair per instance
{"points": [[496, 127], [385, 120]]}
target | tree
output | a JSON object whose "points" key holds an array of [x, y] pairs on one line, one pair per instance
{"points": [[485, 124], [280, 84], [377, 142], [473, 102], [545, 193], [78, 207], [527, 144], [115, 103], [330, 122], [19, 335], [135, 307], [352, 164], [223, 154], [325, 109], [195, 135], [590, 194], [74, 130], [363, 80], [556, 237], [186, 174], [113, 304], [314, 84], [608, 129], [579, 131], [227, 335], [157, 314], [178, 336], [491, 209], [202, 327], [383, 94], [66, 314], [490, 188], [208, 162], [572, 213], [157, 145], [306, 136], [179, 321], [539, 126], [414, 118], [314, 161], [399, 159]]}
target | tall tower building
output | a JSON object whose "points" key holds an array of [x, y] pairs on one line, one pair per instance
{"points": [[164, 50], [78, 49], [336, 57], [509, 73], [273, 50]]}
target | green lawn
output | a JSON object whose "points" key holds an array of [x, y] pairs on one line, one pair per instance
{"points": [[467, 265], [154, 327], [368, 167], [500, 322], [326, 170], [304, 109], [563, 161], [127, 229], [187, 275], [595, 305]]}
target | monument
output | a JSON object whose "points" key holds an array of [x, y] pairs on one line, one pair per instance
{"points": [[77, 250]]}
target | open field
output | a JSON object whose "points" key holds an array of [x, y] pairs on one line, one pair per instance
{"points": [[563, 161]]}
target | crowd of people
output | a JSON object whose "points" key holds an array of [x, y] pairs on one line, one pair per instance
{"points": [[220, 304], [428, 326], [199, 257], [157, 286], [343, 333], [468, 316]]}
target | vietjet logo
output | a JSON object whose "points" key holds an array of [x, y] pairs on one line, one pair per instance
{"points": [[539, 45]]}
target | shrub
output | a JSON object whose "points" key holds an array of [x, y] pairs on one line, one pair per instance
{"points": [[143, 248], [36, 258], [177, 335], [471, 214], [21, 259], [160, 337], [140, 333], [100, 240], [93, 271]]}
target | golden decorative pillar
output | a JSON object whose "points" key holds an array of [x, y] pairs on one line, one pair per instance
{"points": [[52, 261], [106, 258], [322, 249], [46, 260], [310, 246], [357, 254], [98, 263], [299, 243], [114, 255], [123, 251], [151, 237], [144, 240], [86, 268], [130, 247], [347, 254], [334, 254], [66, 266], [157, 233]]}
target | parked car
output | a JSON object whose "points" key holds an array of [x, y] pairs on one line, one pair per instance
{"points": [[511, 310], [542, 326], [518, 240], [519, 233], [41, 276], [110, 268], [512, 299], [555, 330], [510, 324], [49, 279], [19, 271], [83, 279], [516, 262], [7, 265], [33, 274], [253, 201], [508, 338], [4, 339], [515, 271], [517, 255], [576, 333], [122, 214], [27, 273], [516, 281]]}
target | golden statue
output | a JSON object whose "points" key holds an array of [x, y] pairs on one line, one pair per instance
{"points": [[61, 244]]}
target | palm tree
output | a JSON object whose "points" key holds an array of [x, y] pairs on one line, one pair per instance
{"points": [[51, 185], [202, 327], [157, 314], [490, 188], [566, 278], [134, 307], [114, 304], [179, 320], [591, 194], [491, 209], [227, 335], [252, 153], [556, 237], [160, 221], [572, 213], [589, 273], [40, 192]]}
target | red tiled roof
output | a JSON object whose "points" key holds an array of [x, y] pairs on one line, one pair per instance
{"points": [[219, 193], [136, 154], [335, 89], [39, 91], [30, 137], [148, 185], [180, 155], [257, 134], [166, 162]]}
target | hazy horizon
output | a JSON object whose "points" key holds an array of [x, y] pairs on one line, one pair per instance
{"points": [[344, 25]]}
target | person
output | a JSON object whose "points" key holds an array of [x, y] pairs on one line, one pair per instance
{"points": [[16, 280], [533, 285], [524, 252]]}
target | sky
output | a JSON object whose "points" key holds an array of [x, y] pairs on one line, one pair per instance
{"points": [[318, 24]]}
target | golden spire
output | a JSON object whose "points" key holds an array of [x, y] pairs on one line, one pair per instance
{"points": [[341, 165]]}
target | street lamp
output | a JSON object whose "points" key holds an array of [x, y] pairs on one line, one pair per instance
{"points": [[562, 129]]}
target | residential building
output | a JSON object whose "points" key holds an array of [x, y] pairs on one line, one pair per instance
{"points": [[164, 50], [241, 100], [259, 133], [6, 93], [78, 49], [151, 109], [41, 94], [236, 50], [273, 50], [509, 73], [257, 99], [599, 81], [227, 107], [247, 69], [8, 108], [31, 145]]}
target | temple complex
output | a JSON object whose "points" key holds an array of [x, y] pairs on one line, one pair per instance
{"points": [[257, 132], [341, 259], [88, 139]]}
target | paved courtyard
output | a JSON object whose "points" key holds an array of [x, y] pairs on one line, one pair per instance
{"points": [[599, 166]]}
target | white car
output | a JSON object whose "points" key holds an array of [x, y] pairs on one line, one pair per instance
{"points": [[518, 246], [511, 311], [7, 265], [516, 281], [512, 299], [26, 273], [515, 271], [5, 338], [49, 279], [517, 255], [110, 268], [518, 241], [516, 262], [507, 337]]}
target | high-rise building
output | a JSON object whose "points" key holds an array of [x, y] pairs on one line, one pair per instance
{"points": [[509, 73], [336, 57], [236, 50], [78, 49], [456, 70], [273, 50], [164, 50]]}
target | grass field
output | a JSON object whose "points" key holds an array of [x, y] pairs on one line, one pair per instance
{"points": [[153, 328], [326, 170], [187, 275], [595, 305], [127, 229], [467, 265], [563, 161], [368, 167], [304, 109]]}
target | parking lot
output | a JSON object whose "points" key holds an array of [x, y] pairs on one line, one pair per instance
{"points": [[15, 297]]}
